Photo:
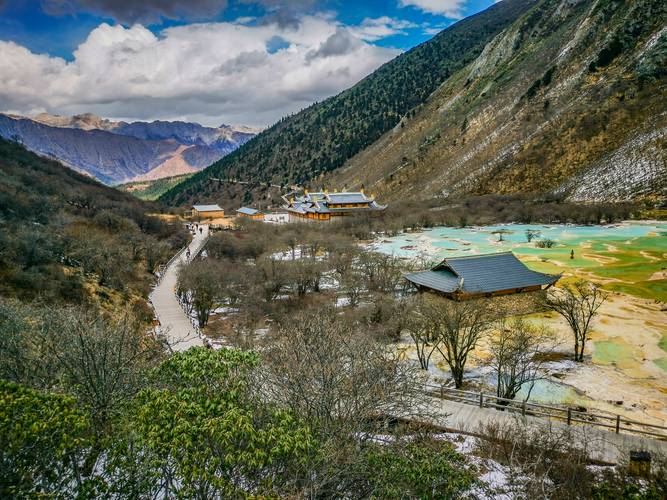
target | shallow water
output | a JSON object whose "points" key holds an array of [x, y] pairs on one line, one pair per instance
{"points": [[544, 390], [441, 242], [549, 392], [627, 257]]}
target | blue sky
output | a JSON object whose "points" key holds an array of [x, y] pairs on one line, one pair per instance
{"points": [[160, 54]]}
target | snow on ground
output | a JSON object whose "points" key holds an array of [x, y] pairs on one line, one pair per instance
{"points": [[226, 310], [342, 302]]}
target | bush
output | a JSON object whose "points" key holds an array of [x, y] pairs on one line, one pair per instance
{"points": [[43, 438], [545, 243]]}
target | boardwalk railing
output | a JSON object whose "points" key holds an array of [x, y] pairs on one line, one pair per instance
{"points": [[163, 268], [185, 305], [613, 423]]}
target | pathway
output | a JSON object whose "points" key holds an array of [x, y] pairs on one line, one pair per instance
{"points": [[601, 445], [174, 323]]}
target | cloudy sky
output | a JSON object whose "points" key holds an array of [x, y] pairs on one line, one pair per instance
{"points": [[210, 61]]}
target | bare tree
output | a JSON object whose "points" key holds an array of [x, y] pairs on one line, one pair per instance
{"points": [[382, 273], [420, 327], [578, 303], [458, 327], [352, 285], [336, 376], [531, 234], [271, 277], [342, 255], [516, 356], [156, 252], [541, 461], [103, 360], [304, 275], [199, 282]]}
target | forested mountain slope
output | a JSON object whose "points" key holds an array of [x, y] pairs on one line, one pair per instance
{"points": [[65, 237], [571, 100], [322, 137]]}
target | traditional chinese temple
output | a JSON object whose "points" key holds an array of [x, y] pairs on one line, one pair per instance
{"points": [[324, 206]]}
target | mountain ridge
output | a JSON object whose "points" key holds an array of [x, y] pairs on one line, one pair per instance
{"points": [[323, 136], [551, 104], [116, 152], [559, 113]]}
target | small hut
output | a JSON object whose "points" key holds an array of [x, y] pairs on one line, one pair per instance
{"points": [[250, 213], [208, 211]]}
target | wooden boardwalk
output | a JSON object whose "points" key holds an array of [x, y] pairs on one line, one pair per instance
{"points": [[174, 323], [600, 444]]}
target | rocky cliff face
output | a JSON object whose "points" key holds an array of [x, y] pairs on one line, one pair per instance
{"points": [[571, 99], [116, 152]]}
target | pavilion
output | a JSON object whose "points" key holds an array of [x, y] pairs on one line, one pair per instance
{"points": [[208, 211], [481, 276], [250, 213]]}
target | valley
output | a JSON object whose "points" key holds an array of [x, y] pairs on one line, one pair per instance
{"points": [[152, 189], [437, 269], [562, 99]]}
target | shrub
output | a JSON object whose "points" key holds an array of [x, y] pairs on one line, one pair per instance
{"points": [[545, 243]]}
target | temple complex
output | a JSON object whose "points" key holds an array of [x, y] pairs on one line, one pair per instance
{"points": [[325, 206]]}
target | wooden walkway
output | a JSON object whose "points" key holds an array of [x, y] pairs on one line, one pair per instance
{"points": [[174, 323], [600, 444]]}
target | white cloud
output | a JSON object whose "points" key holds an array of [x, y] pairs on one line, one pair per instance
{"points": [[448, 8], [212, 73], [431, 31], [381, 27]]}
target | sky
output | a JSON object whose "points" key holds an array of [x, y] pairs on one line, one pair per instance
{"points": [[246, 62]]}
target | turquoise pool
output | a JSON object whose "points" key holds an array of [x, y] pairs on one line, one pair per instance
{"points": [[442, 242]]}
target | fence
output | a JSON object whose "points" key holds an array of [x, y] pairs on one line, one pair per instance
{"points": [[184, 306], [163, 268], [615, 423], [187, 308]]}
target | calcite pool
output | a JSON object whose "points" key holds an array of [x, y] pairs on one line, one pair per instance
{"points": [[627, 352], [440, 242], [629, 257]]}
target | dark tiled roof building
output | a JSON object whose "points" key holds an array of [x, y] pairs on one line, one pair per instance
{"points": [[481, 275]]}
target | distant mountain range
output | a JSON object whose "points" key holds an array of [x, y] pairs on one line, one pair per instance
{"points": [[117, 152], [548, 97]]}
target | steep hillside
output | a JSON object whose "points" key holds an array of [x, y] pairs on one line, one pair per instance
{"points": [[115, 152], [571, 99], [65, 237], [322, 137], [152, 189]]}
